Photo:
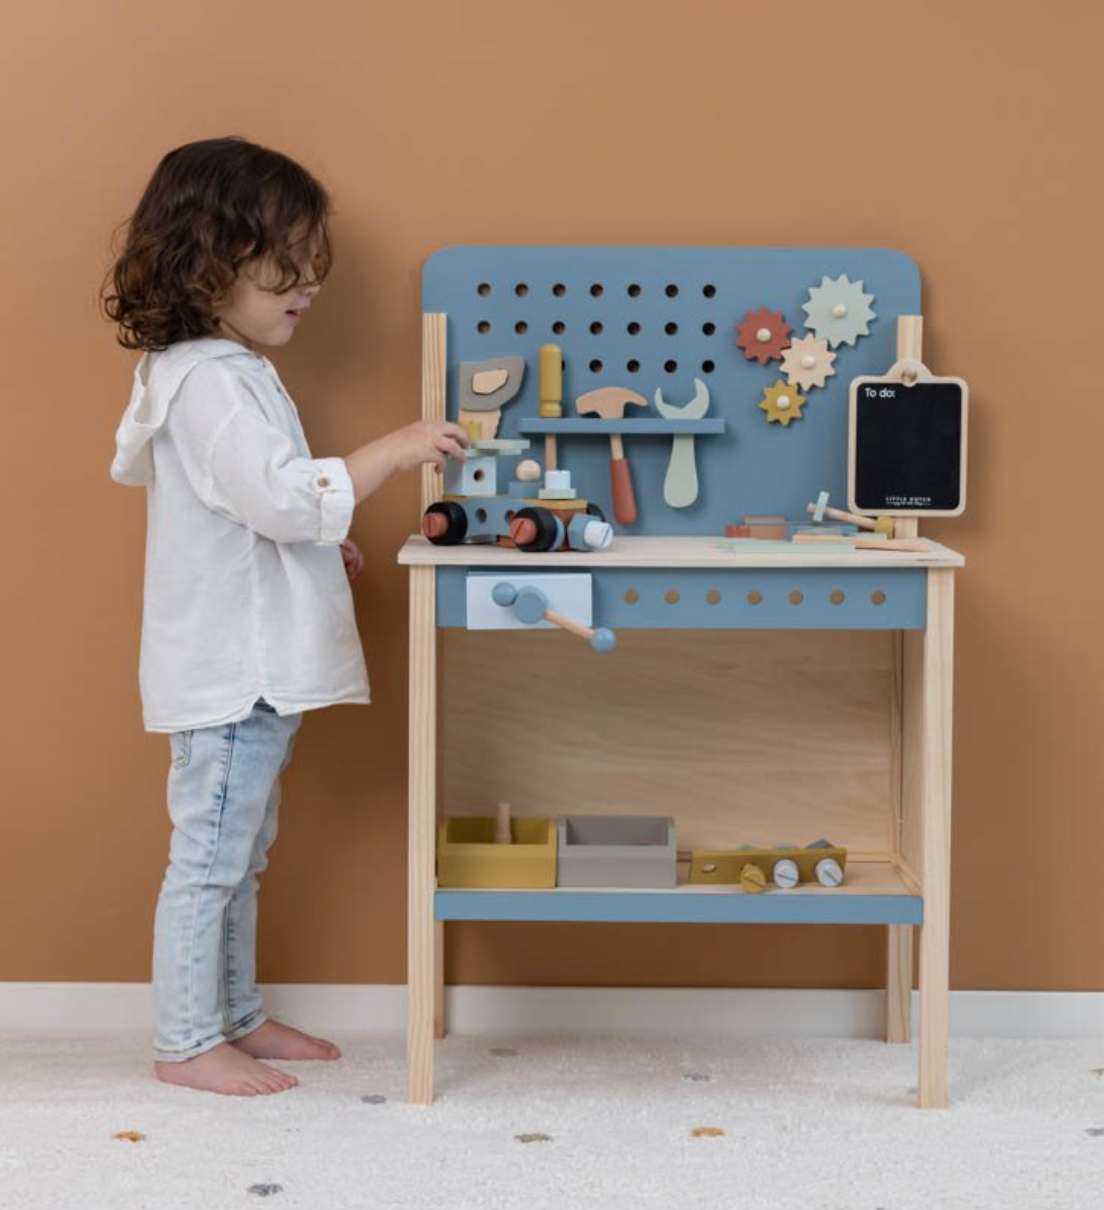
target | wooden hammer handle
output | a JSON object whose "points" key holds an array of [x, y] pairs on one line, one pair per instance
{"points": [[621, 487]]}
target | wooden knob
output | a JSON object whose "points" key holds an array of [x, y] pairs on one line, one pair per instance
{"points": [[523, 530], [752, 879], [434, 525], [763, 335]]}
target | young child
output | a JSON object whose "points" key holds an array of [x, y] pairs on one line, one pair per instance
{"points": [[247, 615]]}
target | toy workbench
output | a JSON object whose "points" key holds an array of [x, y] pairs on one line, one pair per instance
{"points": [[675, 637]]}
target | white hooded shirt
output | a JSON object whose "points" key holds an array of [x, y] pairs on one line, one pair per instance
{"points": [[245, 589]]}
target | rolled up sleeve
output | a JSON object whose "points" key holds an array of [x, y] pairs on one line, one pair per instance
{"points": [[248, 469], [256, 476]]}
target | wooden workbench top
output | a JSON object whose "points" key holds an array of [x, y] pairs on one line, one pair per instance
{"points": [[672, 552]]}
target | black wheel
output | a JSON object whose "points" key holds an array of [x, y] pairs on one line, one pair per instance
{"points": [[456, 523], [547, 528], [594, 511]]}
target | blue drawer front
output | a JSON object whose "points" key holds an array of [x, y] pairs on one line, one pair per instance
{"points": [[774, 598]]}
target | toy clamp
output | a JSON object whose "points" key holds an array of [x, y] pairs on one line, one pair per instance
{"points": [[530, 606]]}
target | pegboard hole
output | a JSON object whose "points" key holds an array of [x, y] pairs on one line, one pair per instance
{"points": [[671, 596], [713, 597], [670, 366], [632, 366], [597, 290], [754, 597], [837, 598], [671, 328], [479, 475], [559, 327], [481, 516], [510, 514], [521, 327], [559, 289], [634, 290], [796, 597], [709, 290], [632, 596], [483, 327], [708, 367], [596, 329], [633, 329], [878, 597], [521, 289], [596, 366], [671, 291], [483, 289], [708, 329]]}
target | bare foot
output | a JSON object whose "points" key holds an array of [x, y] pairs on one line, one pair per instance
{"points": [[271, 1040], [228, 1070]]}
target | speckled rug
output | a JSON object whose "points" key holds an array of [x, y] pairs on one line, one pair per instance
{"points": [[562, 1122]]}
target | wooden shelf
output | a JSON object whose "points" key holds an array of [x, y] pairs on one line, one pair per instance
{"points": [[638, 428], [874, 892], [671, 552]]}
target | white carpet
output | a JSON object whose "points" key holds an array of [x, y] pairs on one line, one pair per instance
{"points": [[817, 1124]]}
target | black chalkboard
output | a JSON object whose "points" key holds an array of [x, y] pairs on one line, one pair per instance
{"points": [[908, 447]]}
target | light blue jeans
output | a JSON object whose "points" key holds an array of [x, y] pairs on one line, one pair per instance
{"points": [[224, 798]]}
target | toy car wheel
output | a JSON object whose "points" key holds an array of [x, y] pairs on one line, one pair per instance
{"points": [[445, 523], [594, 511], [547, 530]]}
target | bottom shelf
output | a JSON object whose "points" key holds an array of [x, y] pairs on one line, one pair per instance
{"points": [[873, 893]]}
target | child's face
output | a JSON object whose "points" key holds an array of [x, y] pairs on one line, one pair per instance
{"points": [[254, 314]]}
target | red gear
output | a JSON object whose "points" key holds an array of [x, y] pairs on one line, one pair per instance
{"points": [[754, 324]]}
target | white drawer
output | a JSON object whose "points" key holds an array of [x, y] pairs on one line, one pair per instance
{"points": [[568, 593]]}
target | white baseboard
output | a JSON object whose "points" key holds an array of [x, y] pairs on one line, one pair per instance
{"points": [[516, 1011]]}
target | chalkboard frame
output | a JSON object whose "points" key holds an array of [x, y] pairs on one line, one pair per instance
{"points": [[909, 375]]}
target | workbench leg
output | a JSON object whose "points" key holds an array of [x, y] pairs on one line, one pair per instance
{"points": [[421, 839], [899, 983], [439, 1023], [935, 836]]}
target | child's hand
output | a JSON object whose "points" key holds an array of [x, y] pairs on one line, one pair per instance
{"points": [[428, 441], [354, 560]]}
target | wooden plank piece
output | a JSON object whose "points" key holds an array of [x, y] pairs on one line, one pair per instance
{"points": [[422, 756]]}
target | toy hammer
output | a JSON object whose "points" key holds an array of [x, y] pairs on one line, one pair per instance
{"points": [[820, 510]]}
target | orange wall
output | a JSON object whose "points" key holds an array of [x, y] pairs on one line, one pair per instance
{"points": [[960, 132]]}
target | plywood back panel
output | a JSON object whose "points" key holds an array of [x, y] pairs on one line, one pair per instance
{"points": [[743, 737]]}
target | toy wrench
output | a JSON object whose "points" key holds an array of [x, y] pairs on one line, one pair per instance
{"points": [[680, 487]]}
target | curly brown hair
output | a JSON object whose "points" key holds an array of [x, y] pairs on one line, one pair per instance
{"points": [[210, 207]]}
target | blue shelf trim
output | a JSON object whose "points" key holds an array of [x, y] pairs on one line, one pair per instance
{"points": [[642, 907], [904, 607], [635, 428]]}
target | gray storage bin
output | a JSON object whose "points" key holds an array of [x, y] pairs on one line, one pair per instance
{"points": [[617, 851]]}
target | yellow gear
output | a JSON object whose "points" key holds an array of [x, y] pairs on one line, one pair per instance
{"points": [[782, 403]]}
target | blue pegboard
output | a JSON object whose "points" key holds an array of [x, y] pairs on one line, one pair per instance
{"points": [[504, 301]]}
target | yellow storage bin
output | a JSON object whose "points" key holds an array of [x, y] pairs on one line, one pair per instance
{"points": [[467, 855]]}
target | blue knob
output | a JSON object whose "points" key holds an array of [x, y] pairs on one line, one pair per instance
{"points": [[504, 594], [603, 640], [530, 605]]}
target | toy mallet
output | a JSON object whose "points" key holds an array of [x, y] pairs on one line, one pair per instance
{"points": [[820, 510], [551, 396]]}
